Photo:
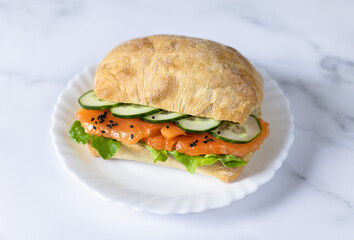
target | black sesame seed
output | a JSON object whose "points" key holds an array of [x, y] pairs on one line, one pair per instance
{"points": [[191, 144], [96, 122], [131, 136], [206, 136], [92, 119], [167, 126], [109, 125], [102, 117], [211, 140], [103, 131], [206, 141], [110, 121], [116, 124], [131, 126], [219, 132], [153, 117], [94, 127]]}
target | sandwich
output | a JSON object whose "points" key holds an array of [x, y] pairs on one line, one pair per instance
{"points": [[174, 101]]}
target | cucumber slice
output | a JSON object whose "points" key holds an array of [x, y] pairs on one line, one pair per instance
{"points": [[164, 117], [129, 111], [198, 124], [238, 133], [90, 101]]}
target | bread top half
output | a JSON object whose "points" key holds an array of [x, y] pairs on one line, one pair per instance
{"points": [[181, 74]]}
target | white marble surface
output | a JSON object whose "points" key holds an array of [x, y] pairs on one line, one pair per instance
{"points": [[307, 46]]}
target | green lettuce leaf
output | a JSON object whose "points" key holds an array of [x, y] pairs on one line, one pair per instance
{"points": [[106, 147], [231, 161], [78, 134], [158, 155], [193, 162]]}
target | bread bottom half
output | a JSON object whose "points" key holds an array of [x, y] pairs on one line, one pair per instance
{"points": [[138, 152]]}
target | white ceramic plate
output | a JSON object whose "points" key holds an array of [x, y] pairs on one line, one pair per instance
{"points": [[164, 190]]}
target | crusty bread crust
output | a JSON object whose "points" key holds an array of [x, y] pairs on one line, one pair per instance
{"points": [[138, 152], [181, 74]]}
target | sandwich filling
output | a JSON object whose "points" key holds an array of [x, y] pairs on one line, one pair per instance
{"points": [[161, 138]]}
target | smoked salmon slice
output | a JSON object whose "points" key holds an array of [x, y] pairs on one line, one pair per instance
{"points": [[172, 130], [163, 135], [204, 143], [103, 124]]}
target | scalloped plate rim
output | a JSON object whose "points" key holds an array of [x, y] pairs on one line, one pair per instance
{"points": [[269, 172]]}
